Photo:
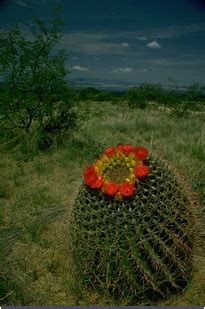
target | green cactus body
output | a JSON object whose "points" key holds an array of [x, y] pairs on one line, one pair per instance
{"points": [[138, 248]]}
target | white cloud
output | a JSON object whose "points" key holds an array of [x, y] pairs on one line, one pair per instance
{"points": [[96, 43], [79, 68], [154, 45], [107, 43], [142, 38], [91, 43], [142, 70], [124, 44], [122, 70]]}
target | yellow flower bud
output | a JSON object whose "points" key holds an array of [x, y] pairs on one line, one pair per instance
{"points": [[132, 162], [132, 177], [104, 158]]}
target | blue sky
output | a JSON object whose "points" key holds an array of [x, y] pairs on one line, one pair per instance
{"points": [[125, 42]]}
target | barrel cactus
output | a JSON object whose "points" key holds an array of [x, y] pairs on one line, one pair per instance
{"points": [[136, 245]]}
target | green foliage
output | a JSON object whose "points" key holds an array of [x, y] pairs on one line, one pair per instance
{"points": [[180, 101], [92, 94], [88, 93], [139, 96], [106, 97], [34, 92], [194, 92], [139, 249]]}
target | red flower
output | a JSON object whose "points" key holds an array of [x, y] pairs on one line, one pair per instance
{"points": [[90, 179], [127, 189], [141, 171], [141, 152], [94, 181], [128, 148], [98, 183], [110, 188], [90, 170], [120, 146], [110, 151]]}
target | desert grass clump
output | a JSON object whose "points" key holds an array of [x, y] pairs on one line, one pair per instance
{"points": [[139, 248]]}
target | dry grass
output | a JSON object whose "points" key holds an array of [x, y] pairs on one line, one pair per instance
{"points": [[36, 198]]}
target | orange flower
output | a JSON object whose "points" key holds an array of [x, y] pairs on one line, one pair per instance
{"points": [[141, 152], [141, 171], [127, 189], [110, 188]]}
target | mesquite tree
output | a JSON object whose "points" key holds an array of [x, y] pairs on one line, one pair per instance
{"points": [[34, 90]]}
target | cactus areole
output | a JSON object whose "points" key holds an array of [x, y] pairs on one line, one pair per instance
{"points": [[133, 226]]}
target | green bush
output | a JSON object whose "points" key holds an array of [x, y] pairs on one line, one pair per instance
{"points": [[34, 92], [106, 97], [88, 94], [141, 95], [190, 99]]}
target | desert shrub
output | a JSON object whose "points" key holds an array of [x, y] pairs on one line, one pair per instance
{"points": [[106, 96], [180, 100], [34, 92], [141, 95], [89, 93], [136, 98]]}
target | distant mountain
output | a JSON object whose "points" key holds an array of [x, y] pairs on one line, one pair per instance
{"points": [[112, 85], [101, 84]]}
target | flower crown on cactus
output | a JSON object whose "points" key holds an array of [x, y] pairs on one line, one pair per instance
{"points": [[117, 172]]}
